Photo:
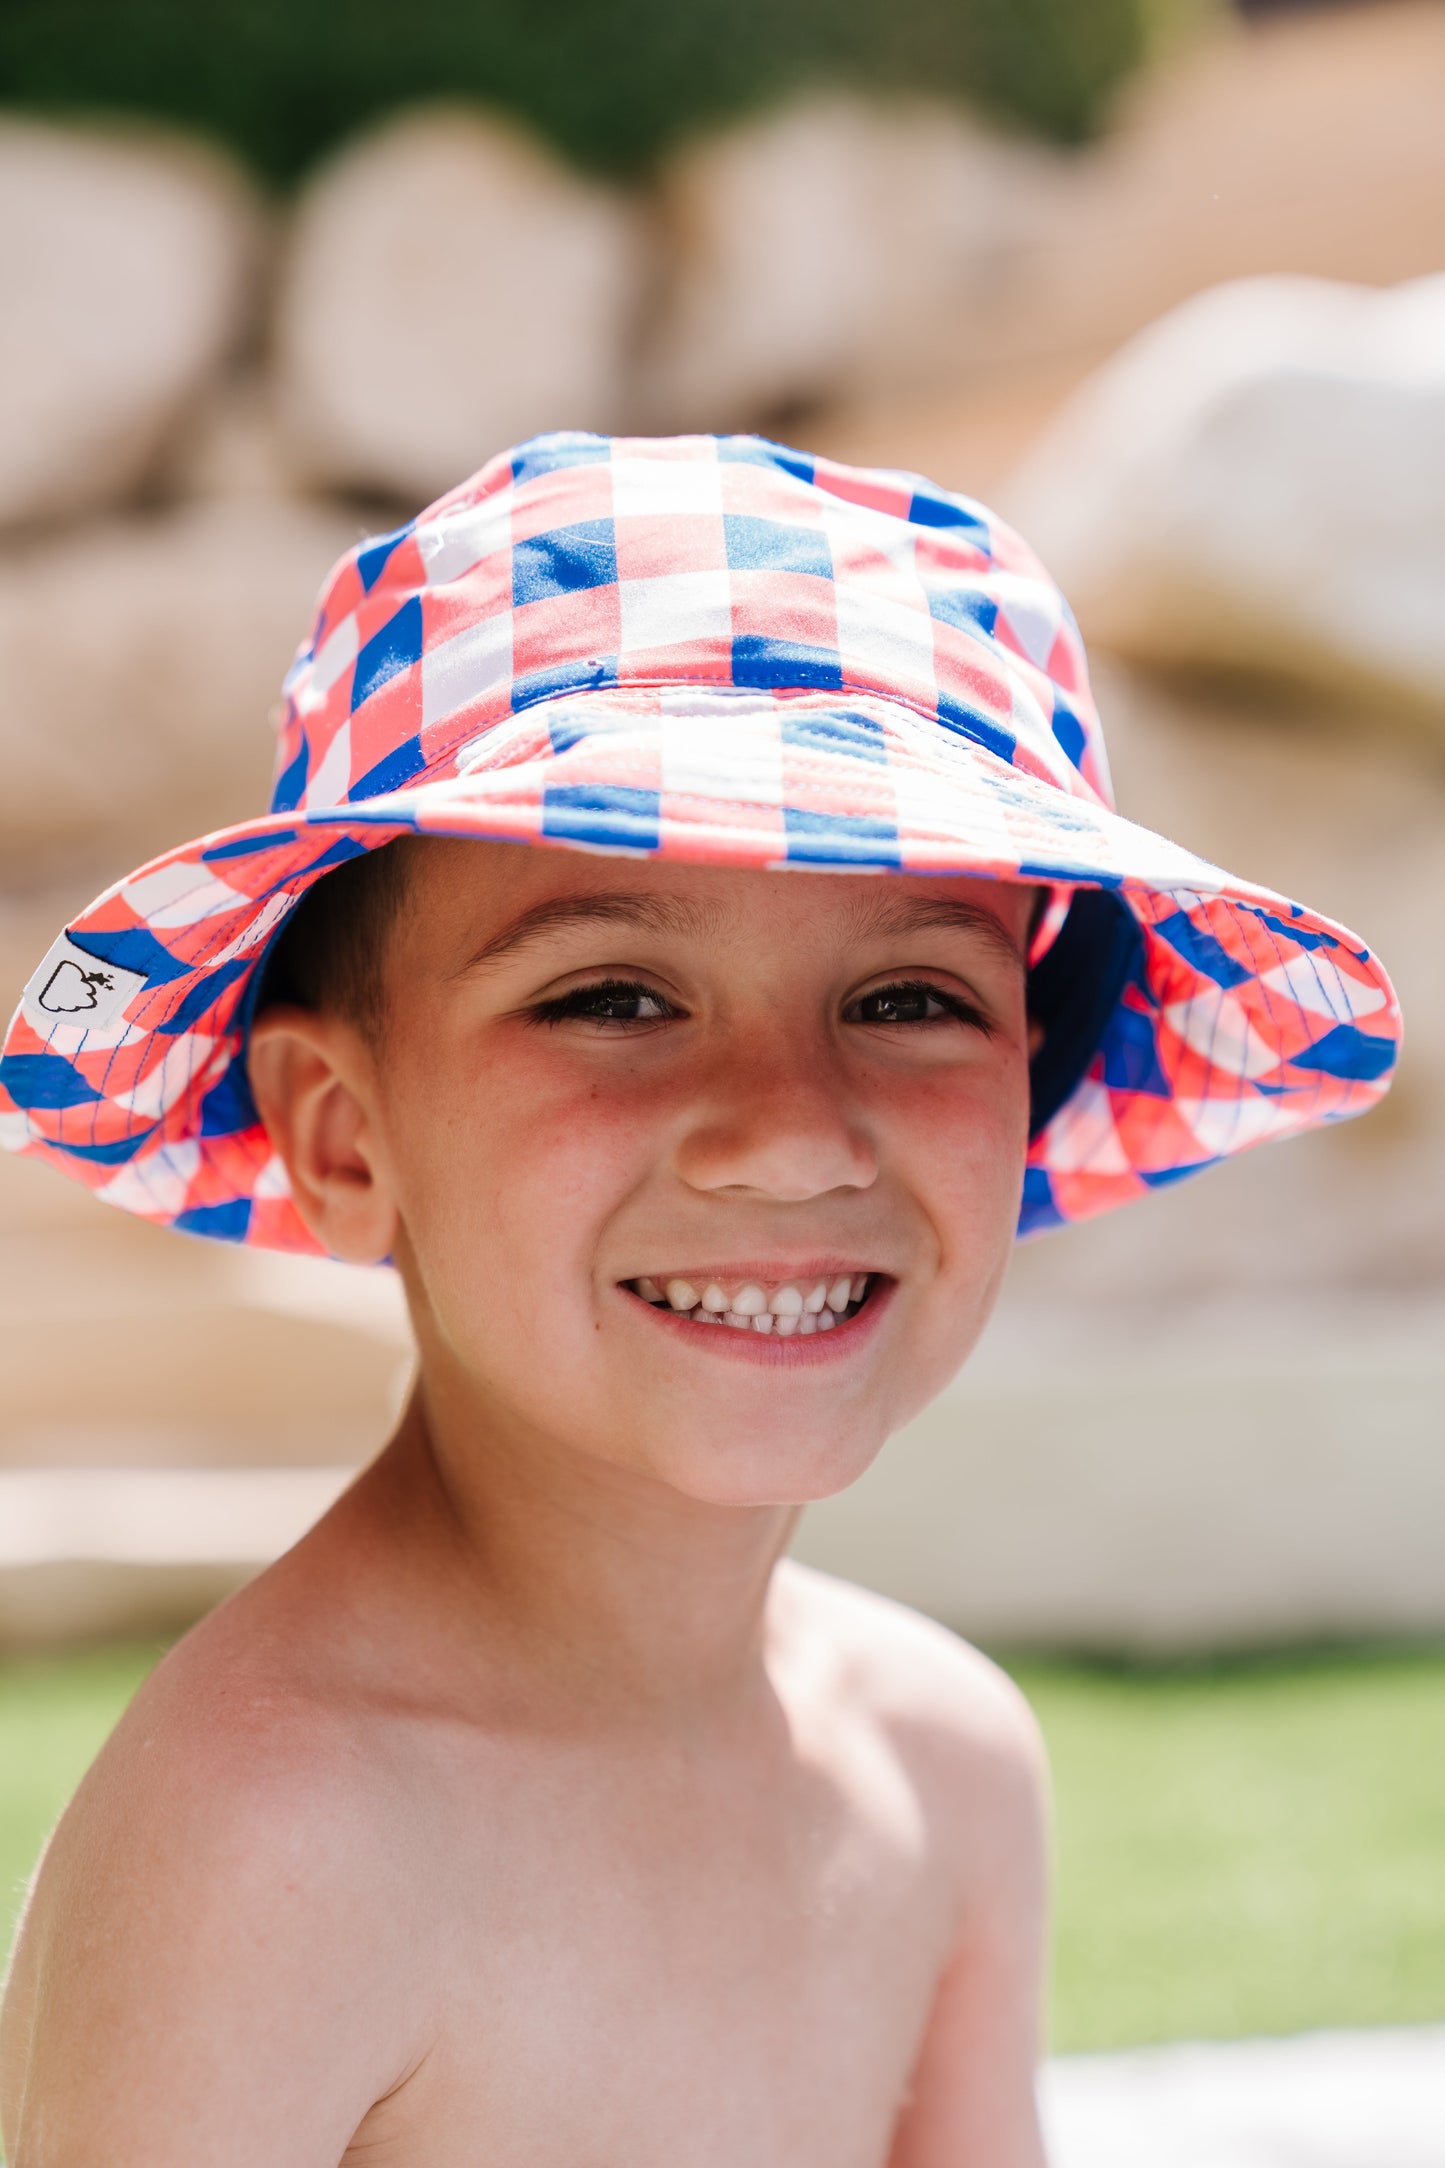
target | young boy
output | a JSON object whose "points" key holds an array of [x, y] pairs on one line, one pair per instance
{"points": [[531, 1811]]}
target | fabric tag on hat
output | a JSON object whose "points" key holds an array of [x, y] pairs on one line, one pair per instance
{"points": [[76, 989]]}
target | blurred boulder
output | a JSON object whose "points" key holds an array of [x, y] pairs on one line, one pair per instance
{"points": [[1310, 143], [1258, 482], [232, 446], [141, 659], [450, 288], [828, 248], [127, 262]]}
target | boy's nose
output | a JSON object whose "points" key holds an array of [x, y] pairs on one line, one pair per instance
{"points": [[777, 1130]]}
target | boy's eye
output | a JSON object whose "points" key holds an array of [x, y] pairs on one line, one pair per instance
{"points": [[608, 1001], [911, 1001]]}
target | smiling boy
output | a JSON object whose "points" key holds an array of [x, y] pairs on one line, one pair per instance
{"points": [[531, 1810]]}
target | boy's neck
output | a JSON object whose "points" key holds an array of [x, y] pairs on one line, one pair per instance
{"points": [[604, 1586]]}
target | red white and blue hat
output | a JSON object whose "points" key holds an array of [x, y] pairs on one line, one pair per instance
{"points": [[718, 651]]}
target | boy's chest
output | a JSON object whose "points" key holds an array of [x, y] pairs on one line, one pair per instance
{"points": [[638, 1979]]}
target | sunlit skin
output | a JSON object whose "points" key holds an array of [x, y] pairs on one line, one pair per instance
{"points": [[529, 1809]]}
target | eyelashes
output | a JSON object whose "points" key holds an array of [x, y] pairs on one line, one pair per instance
{"points": [[606, 1001], [900, 1005], [910, 1003]]}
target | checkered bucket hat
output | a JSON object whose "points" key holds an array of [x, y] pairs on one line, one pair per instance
{"points": [[719, 651]]}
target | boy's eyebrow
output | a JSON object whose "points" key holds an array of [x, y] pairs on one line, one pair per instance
{"points": [[659, 914], [873, 915], [899, 915]]}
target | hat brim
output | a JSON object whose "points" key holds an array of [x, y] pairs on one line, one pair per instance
{"points": [[1188, 1014]]}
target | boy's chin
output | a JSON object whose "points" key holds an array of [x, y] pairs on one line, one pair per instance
{"points": [[753, 1472]]}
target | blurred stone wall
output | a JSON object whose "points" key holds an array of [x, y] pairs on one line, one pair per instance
{"points": [[1211, 1418]]}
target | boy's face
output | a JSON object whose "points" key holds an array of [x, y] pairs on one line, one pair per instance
{"points": [[602, 1078]]}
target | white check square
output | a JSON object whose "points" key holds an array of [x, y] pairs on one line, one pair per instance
{"points": [[675, 610]]}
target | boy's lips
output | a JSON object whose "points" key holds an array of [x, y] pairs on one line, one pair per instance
{"points": [[764, 1309]]}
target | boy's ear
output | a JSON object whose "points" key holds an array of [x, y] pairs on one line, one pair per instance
{"points": [[311, 1077]]}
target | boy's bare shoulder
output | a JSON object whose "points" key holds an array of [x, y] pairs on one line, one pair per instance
{"points": [[234, 1734], [227, 1872], [259, 1740], [955, 1718]]}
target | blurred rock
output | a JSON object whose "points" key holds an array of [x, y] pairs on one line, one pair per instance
{"points": [[232, 446], [826, 249], [1311, 143], [1258, 482], [141, 659], [88, 1554], [123, 1344], [970, 439], [450, 288], [127, 1345], [127, 262], [1101, 1476]]}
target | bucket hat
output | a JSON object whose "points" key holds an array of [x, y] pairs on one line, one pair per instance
{"points": [[721, 651]]}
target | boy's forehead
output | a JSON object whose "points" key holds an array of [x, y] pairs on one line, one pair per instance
{"points": [[500, 898]]}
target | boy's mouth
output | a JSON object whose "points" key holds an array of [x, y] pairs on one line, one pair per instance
{"points": [[781, 1307]]}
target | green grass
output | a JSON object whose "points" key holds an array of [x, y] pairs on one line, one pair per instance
{"points": [[1256, 1847], [1253, 1848], [55, 1711]]}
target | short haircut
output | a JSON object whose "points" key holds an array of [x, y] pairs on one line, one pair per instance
{"points": [[330, 954]]}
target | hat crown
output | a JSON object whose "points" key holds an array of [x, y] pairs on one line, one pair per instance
{"points": [[577, 562]]}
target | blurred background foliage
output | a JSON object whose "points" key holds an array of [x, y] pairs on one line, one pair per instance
{"points": [[613, 83]]}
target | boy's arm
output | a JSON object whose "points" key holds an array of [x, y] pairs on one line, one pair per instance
{"points": [[972, 2103], [209, 1970]]}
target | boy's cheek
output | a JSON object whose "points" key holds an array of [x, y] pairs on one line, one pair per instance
{"points": [[967, 1172], [961, 1143], [506, 1186]]}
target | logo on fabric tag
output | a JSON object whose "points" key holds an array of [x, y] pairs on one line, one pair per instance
{"points": [[74, 988]]}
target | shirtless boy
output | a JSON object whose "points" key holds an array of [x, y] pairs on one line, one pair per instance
{"points": [[531, 1811]]}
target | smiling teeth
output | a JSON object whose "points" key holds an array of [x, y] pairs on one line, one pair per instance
{"points": [[794, 1307]]}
